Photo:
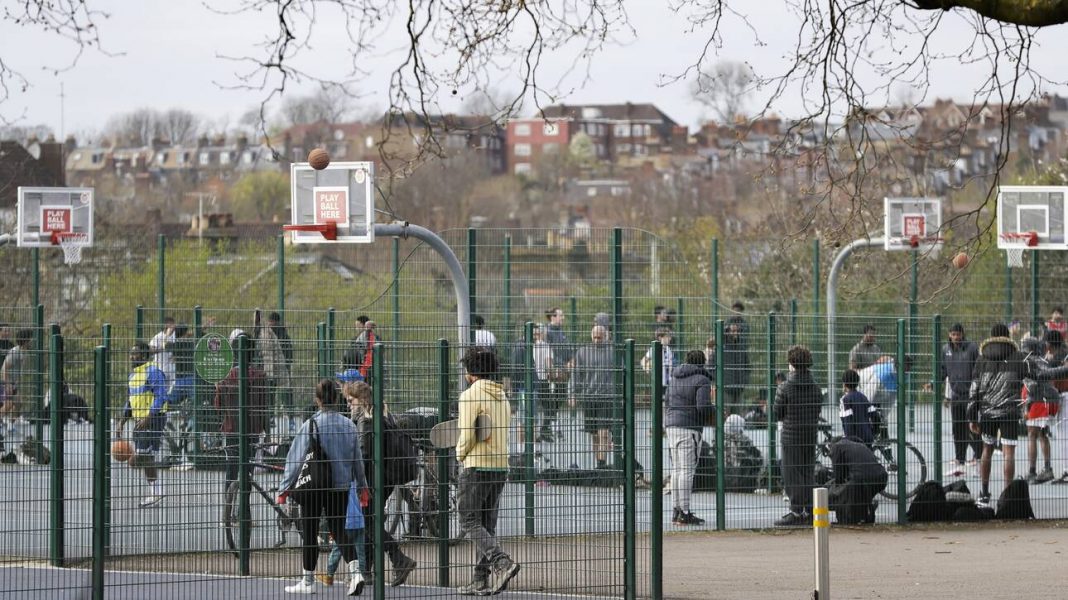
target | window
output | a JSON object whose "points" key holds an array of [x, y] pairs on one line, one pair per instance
{"points": [[205, 158], [621, 130], [640, 150], [550, 128], [550, 148], [248, 157], [161, 157], [522, 149], [591, 191], [224, 158], [623, 148], [521, 168], [369, 142], [522, 129]]}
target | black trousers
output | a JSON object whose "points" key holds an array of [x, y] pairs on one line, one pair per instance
{"points": [[799, 471], [389, 544], [962, 436], [332, 505]]}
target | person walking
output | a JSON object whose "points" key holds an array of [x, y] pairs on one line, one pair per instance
{"points": [[484, 472], [359, 396], [337, 438], [146, 404], [797, 406], [687, 408]]}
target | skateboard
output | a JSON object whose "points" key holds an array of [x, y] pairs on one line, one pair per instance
{"points": [[447, 433]]}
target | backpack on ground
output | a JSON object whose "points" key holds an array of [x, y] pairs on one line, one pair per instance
{"points": [[704, 480], [957, 493], [929, 505], [401, 453], [1015, 501]]}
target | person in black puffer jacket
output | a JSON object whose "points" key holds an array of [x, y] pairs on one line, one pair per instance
{"points": [[688, 407], [797, 406], [995, 400]]}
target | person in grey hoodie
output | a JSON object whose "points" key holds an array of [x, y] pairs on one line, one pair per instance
{"points": [[688, 407]]}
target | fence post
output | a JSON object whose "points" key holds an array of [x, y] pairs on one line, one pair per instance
{"points": [[139, 322], [1036, 318], [906, 376], [656, 499], [39, 367], [320, 349], [198, 325], [508, 331], [282, 276], [768, 405], [817, 342], [630, 524], [106, 335], [443, 463], [617, 282], [55, 374], [721, 396], [101, 435], [1008, 293], [528, 428], [36, 276], [331, 336], [572, 317], [680, 324], [472, 276], [899, 433], [715, 282], [244, 484], [378, 457], [395, 296], [937, 383], [793, 321], [161, 278]]}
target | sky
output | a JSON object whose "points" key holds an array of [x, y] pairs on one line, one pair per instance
{"points": [[171, 53]]}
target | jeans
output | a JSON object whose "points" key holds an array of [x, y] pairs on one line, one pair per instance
{"points": [[332, 561], [684, 445], [478, 500]]}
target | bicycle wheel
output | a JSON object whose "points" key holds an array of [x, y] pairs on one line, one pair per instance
{"points": [[399, 509], [915, 468], [229, 516]]}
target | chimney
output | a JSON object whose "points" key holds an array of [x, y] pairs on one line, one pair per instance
{"points": [[202, 140], [157, 143], [242, 143], [69, 144], [51, 163]]}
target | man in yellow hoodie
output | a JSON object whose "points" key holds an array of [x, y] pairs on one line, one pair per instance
{"points": [[484, 472]]}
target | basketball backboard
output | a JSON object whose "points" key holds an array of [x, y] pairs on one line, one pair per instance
{"points": [[912, 223], [47, 216], [1031, 217], [332, 205]]}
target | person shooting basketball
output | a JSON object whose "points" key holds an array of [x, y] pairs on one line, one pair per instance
{"points": [[146, 403]]}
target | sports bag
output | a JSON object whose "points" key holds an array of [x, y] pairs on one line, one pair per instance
{"points": [[401, 453], [315, 475]]}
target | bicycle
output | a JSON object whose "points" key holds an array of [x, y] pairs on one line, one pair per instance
{"points": [[413, 509], [883, 448], [286, 516]]}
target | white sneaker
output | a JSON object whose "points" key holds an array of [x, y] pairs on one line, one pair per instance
{"points": [[301, 587], [150, 500], [355, 585], [185, 465], [955, 469]]}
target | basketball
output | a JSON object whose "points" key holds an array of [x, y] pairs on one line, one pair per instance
{"points": [[318, 159], [960, 260], [121, 450]]}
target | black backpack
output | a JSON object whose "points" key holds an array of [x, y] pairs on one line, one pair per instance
{"points": [[929, 505], [1015, 501], [704, 480], [401, 454]]}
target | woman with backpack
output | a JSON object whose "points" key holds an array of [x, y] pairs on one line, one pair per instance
{"points": [[335, 435], [396, 473]]}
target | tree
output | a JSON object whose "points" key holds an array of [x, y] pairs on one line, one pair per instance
{"points": [[725, 89], [141, 126], [260, 196], [329, 104]]}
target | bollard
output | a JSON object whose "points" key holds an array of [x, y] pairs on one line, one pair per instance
{"points": [[821, 531]]}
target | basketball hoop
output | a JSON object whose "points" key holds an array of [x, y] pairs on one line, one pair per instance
{"points": [[72, 244], [328, 230], [1014, 254]]}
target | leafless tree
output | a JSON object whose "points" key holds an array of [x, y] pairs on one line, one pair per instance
{"points": [[725, 89], [179, 126], [135, 128], [329, 104]]}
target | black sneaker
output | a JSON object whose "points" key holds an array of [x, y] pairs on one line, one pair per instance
{"points": [[1045, 475], [984, 500], [504, 571], [676, 516], [402, 570], [692, 519], [477, 587]]}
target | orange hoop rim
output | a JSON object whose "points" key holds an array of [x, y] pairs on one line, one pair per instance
{"points": [[328, 230], [1030, 237]]}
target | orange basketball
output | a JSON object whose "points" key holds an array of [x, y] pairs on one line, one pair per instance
{"points": [[961, 260], [121, 450], [318, 159]]}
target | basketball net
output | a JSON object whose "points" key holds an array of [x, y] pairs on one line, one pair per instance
{"points": [[72, 244], [1015, 254], [1015, 257]]}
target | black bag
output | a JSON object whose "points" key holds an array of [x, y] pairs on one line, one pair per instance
{"points": [[704, 480], [401, 454], [315, 475], [969, 513], [929, 505], [958, 493], [1015, 501]]}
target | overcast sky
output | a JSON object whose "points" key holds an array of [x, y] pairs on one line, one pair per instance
{"points": [[166, 53]]}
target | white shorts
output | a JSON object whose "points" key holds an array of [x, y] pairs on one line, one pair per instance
{"points": [[1041, 422]]}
